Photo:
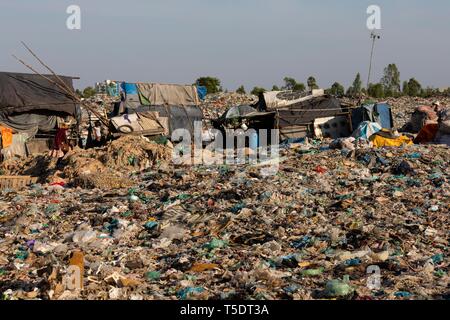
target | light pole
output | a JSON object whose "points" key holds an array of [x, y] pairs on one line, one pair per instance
{"points": [[374, 37]]}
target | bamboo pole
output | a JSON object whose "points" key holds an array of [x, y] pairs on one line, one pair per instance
{"points": [[46, 66], [64, 84], [67, 92]]}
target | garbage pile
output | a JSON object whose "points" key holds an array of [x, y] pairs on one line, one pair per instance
{"points": [[107, 167], [331, 224], [215, 105]]}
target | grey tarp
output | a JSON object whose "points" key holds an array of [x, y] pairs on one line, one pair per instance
{"points": [[179, 117], [168, 94], [29, 123], [305, 112], [380, 113], [20, 92]]}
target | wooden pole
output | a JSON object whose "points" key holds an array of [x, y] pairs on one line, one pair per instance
{"points": [[46, 66], [67, 92]]}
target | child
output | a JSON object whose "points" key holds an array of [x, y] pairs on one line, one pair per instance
{"points": [[60, 144]]}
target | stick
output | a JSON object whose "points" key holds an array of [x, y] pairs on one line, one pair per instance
{"points": [[48, 79], [70, 94], [68, 90], [46, 66]]}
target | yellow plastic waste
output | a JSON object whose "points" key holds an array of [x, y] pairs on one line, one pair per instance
{"points": [[380, 140]]}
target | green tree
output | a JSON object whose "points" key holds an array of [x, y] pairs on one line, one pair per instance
{"points": [[312, 83], [289, 83], [79, 93], [293, 85], [357, 85], [391, 80], [336, 89], [414, 88], [275, 88], [241, 90], [405, 87], [355, 89], [299, 87], [89, 92], [212, 84], [376, 90], [258, 90], [429, 92]]}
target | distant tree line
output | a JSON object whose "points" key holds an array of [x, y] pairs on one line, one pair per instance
{"points": [[390, 85]]}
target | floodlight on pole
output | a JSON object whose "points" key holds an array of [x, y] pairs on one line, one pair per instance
{"points": [[374, 37]]}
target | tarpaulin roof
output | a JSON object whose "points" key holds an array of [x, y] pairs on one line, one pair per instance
{"points": [[168, 94], [306, 111], [282, 99], [21, 92]]}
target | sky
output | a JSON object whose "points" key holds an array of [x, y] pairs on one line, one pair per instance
{"points": [[241, 42]]}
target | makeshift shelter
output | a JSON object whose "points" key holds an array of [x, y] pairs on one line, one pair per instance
{"points": [[379, 112], [169, 106], [298, 115], [30, 104]]}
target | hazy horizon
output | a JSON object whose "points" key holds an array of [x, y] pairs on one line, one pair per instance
{"points": [[248, 42]]}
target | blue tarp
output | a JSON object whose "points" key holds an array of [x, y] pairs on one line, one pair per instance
{"points": [[131, 91], [384, 115], [202, 92], [366, 129], [129, 88]]}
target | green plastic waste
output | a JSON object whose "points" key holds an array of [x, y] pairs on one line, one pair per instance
{"points": [[132, 160], [132, 191], [51, 208], [440, 273], [312, 272], [402, 294], [338, 288], [153, 275], [150, 225], [183, 196], [188, 292], [438, 258], [127, 214], [215, 244], [161, 140], [21, 254]]}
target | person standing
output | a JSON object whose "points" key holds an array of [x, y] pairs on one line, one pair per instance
{"points": [[61, 143]]}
